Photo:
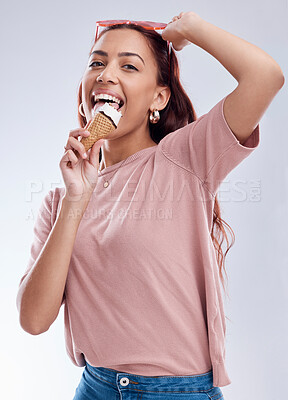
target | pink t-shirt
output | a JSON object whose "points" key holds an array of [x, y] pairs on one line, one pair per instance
{"points": [[143, 291]]}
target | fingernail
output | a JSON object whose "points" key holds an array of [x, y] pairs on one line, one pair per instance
{"points": [[85, 155]]}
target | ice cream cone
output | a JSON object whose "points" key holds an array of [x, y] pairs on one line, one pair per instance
{"points": [[101, 125]]}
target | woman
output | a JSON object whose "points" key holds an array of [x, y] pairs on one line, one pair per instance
{"points": [[129, 244]]}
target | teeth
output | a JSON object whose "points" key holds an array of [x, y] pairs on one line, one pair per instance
{"points": [[106, 97]]}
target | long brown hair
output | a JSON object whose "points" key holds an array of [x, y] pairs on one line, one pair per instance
{"points": [[178, 112]]}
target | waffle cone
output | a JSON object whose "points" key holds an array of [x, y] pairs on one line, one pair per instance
{"points": [[98, 127]]}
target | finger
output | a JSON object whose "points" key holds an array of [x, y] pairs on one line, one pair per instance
{"points": [[75, 144], [94, 153], [69, 159], [79, 132], [76, 133]]}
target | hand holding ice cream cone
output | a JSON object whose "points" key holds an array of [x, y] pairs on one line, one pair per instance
{"points": [[80, 174]]}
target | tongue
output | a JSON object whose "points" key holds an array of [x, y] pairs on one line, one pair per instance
{"points": [[115, 105], [101, 103]]}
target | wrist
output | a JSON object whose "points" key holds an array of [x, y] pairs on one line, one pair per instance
{"points": [[192, 26]]}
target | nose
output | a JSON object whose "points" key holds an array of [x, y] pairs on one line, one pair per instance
{"points": [[107, 75]]}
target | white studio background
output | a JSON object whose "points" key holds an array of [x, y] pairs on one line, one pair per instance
{"points": [[44, 50]]}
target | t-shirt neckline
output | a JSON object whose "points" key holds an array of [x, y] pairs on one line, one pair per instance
{"points": [[129, 159]]}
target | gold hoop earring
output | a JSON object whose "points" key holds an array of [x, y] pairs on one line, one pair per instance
{"points": [[80, 110], [154, 117]]}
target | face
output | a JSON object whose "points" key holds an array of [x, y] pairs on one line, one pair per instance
{"points": [[132, 77]]}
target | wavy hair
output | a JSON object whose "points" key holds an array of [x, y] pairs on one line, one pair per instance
{"points": [[178, 112]]}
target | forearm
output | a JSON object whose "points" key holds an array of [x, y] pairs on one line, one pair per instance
{"points": [[242, 59], [40, 294]]}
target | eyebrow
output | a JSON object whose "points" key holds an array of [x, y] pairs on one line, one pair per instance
{"points": [[123, 54]]}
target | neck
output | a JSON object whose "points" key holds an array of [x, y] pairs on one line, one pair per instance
{"points": [[114, 151]]}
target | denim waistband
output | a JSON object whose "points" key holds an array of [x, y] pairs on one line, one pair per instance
{"points": [[177, 383]]}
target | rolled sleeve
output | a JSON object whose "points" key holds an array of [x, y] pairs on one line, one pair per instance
{"points": [[208, 148]]}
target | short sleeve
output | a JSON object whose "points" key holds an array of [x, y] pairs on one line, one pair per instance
{"points": [[42, 229], [208, 148]]}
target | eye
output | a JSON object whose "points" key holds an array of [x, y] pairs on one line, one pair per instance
{"points": [[126, 65], [94, 62], [130, 65]]}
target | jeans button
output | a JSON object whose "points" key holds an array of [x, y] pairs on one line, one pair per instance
{"points": [[124, 381]]}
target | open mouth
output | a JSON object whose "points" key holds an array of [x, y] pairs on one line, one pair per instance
{"points": [[114, 102]]}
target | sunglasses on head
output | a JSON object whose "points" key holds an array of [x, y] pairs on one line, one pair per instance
{"points": [[145, 24]]}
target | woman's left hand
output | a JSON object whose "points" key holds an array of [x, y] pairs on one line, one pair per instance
{"points": [[174, 31]]}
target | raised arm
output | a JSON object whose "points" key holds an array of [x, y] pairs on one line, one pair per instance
{"points": [[258, 75]]}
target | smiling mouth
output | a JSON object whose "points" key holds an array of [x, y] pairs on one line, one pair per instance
{"points": [[101, 102]]}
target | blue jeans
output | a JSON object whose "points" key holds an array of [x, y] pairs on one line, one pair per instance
{"points": [[99, 383]]}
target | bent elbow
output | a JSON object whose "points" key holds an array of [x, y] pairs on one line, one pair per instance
{"points": [[31, 329], [30, 326]]}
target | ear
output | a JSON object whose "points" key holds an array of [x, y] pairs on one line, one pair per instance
{"points": [[161, 99]]}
